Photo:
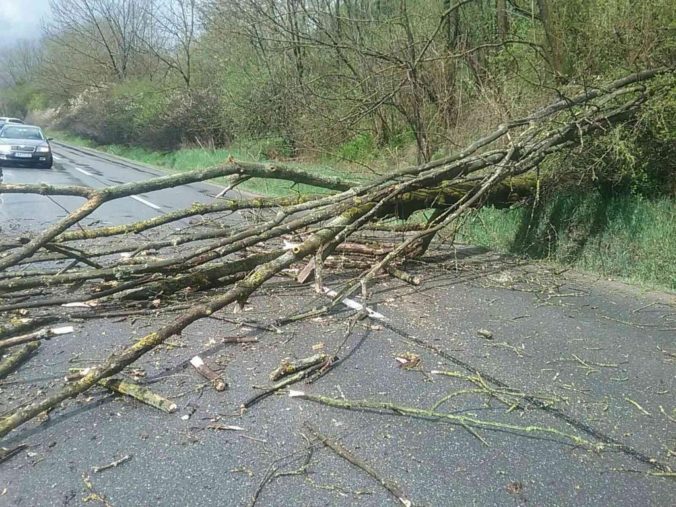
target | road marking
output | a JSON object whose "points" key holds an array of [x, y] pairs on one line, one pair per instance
{"points": [[56, 157], [147, 203], [83, 171], [351, 303]]}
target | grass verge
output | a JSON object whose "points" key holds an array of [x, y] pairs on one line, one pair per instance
{"points": [[188, 159], [628, 237]]}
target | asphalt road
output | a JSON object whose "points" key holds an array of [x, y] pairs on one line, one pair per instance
{"points": [[585, 357], [76, 166]]}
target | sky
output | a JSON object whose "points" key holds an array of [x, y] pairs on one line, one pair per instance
{"points": [[21, 19]]}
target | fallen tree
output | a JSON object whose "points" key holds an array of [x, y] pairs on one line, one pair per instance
{"points": [[240, 258]]}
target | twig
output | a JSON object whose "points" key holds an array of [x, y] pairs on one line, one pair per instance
{"points": [[341, 451], [114, 464], [93, 494], [273, 472], [280, 385], [6, 454], [288, 367], [639, 407], [452, 418]]}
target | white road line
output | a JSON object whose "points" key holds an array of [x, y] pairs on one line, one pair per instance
{"points": [[147, 203], [351, 303], [56, 157], [83, 171]]}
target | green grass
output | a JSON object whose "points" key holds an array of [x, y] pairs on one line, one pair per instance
{"points": [[628, 237], [188, 159]]}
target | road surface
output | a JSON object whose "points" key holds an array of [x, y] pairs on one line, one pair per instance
{"points": [[581, 356], [77, 166]]}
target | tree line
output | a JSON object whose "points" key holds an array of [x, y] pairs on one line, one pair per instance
{"points": [[350, 78]]}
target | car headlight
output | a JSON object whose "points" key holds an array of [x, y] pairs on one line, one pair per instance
{"points": [[42, 149], [5, 148]]}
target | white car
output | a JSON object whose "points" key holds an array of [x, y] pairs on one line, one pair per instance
{"points": [[7, 119]]}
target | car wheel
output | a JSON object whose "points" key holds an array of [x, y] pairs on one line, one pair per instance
{"points": [[48, 165]]}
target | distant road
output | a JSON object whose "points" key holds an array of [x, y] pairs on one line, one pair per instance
{"points": [[83, 167]]}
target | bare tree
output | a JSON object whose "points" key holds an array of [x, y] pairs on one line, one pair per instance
{"points": [[104, 35], [19, 63], [175, 36]]}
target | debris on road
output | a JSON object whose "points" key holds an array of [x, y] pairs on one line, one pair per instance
{"points": [[341, 451], [292, 379], [408, 360], [485, 333], [42, 334], [114, 464], [127, 388], [216, 380], [6, 453], [288, 366], [139, 393], [14, 360]]}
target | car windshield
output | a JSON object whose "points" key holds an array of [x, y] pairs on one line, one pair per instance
{"points": [[21, 133]]}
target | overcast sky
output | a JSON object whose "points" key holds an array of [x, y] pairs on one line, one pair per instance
{"points": [[21, 19]]}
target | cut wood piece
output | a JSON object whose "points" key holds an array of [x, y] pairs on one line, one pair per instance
{"points": [[127, 388], [351, 303], [403, 275], [361, 248], [139, 393], [41, 334], [16, 359], [288, 367], [216, 380], [17, 326]]}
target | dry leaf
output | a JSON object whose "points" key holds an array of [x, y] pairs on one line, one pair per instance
{"points": [[408, 360]]}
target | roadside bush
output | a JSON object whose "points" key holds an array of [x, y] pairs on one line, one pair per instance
{"points": [[137, 113]]}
